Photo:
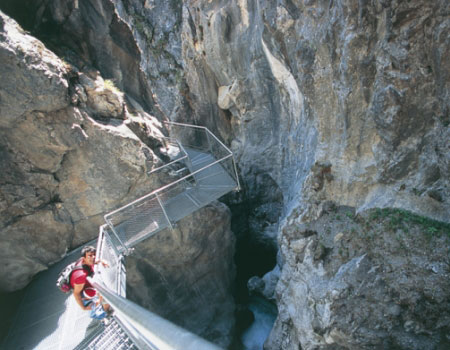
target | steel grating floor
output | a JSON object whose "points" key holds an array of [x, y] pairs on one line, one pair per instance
{"points": [[210, 184]]}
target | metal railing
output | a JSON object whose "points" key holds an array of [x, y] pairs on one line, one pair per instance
{"points": [[148, 330], [201, 170], [200, 138], [114, 275]]}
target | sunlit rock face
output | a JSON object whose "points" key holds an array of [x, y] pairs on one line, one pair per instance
{"points": [[355, 89], [74, 146], [341, 101], [63, 167], [373, 280]]}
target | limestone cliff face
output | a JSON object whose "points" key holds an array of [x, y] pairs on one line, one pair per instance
{"points": [[341, 101], [62, 169], [321, 101], [74, 147], [356, 89], [374, 280]]}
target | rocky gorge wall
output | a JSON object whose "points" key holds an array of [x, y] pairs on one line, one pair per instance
{"points": [[342, 101], [74, 147], [321, 101]]}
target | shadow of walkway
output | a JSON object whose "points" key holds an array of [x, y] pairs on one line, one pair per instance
{"points": [[48, 319]]}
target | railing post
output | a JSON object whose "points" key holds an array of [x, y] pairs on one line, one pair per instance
{"points": [[236, 173], [164, 210], [209, 142], [111, 226]]}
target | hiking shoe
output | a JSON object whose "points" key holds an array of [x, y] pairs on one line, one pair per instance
{"points": [[110, 312]]}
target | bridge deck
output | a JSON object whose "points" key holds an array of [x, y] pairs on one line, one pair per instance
{"points": [[208, 184]]}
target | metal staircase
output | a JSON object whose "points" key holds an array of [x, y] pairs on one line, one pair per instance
{"points": [[200, 170]]}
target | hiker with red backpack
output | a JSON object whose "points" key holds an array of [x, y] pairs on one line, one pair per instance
{"points": [[74, 277]]}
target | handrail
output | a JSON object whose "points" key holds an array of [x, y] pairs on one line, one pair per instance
{"points": [[101, 247], [146, 329], [217, 139], [237, 177], [166, 186], [199, 127], [173, 161], [114, 231], [160, 332], [220, 142]]}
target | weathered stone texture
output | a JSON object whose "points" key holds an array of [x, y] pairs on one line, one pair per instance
{"points": [[319, 100], [341, 100], [86, 154], [26, 59], [360, 86], [377, 280], [62, 170], [186, 275]]}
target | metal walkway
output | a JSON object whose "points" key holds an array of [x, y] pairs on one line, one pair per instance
{"points": [[201, 169]]}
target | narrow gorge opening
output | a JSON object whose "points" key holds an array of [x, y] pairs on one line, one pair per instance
{"points": [[253, 257], [255, 225]]}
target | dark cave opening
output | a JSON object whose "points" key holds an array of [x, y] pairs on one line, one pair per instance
{"points": [[253, 257]]}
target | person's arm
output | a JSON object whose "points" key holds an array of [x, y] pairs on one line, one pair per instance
{"points": [[77, 290], [103, 262]]}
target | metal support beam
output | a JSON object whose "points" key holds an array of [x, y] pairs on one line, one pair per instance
{"points": [[151, 328], [164, 211]]}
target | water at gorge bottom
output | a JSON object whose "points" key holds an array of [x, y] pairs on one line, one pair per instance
{"points": [[265, 314]]}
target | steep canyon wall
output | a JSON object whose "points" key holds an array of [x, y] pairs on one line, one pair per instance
{"points": [[332, 108], [76, 143], [342, 102]]}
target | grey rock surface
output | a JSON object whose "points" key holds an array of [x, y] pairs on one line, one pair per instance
{"points": [[62, 169], [343, 101], [376, 280], [319, 100], [25, 59], [357, 86], [90, 152], [186, 275]]}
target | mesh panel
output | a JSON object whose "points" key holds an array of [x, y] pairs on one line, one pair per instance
{"points": [[110, 337], [112, 276], [200, 171], [191, 137], [137, 220]]}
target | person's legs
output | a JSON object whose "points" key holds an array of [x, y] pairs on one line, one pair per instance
{"points": [[106, 307], [86, 302], [97, 312]]}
